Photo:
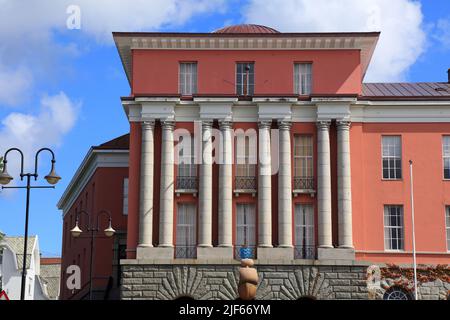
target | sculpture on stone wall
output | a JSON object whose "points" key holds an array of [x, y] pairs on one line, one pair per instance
{"points": [[248, 280]]}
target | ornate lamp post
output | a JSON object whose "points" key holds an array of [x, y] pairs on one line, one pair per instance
{"points": [[76, 232], [5, 178]]}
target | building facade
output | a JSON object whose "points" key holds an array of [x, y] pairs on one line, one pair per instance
{"points": [[99, 184], [251, 142]]}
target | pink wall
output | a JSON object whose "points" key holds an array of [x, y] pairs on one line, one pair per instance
{"points": [[156, 71], [421, 143]]}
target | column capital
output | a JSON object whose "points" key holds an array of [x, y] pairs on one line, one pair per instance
{"points": [[225, 124], [343, 124], [207, 124], [323, 124], [168, 124], [284, 125], [264, 124], [148, 124]]}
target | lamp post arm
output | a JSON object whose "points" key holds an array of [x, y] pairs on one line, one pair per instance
{"points": [[36, 160], [5, 161], [89, 222], [102, 212]]}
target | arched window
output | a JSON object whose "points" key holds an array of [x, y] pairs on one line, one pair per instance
{"points": [[396, 293]]}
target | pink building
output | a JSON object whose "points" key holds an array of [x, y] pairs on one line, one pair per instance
{"points": [[251, 138]]}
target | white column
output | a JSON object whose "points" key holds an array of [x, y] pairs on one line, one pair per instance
{"points": [[285, 186], [167, 185], [264, 187], [205, 188], [225, 186], [324, 184], [344, 185], [146, 188]]}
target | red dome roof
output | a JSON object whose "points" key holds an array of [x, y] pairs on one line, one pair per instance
{"points": [[247, 28]]}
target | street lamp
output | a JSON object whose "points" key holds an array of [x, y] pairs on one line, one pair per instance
{"points": [[5, 178], [77, 231]]}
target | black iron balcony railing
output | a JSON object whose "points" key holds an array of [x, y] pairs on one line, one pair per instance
{"points": [[185, 252], [187, 183], [244, 252], [304, 252], [245, 183], [303, 183]]}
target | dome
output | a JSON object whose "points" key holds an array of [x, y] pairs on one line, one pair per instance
{"points": [[246, 28]]}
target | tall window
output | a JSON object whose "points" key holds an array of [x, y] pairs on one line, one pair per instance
{"points": [[303, 162], [245, 163], [304, 231], [125, 196], [447, 225], [245, 226], [392, 157], [393, 227], [188, 78], [245, 79], [186, 238], [446, 156], [187, 169], [302, 78]]}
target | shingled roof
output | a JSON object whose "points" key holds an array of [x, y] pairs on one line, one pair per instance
{"points": [[120, 143], [16, 245]]}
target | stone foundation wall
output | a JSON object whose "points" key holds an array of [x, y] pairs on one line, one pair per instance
{"points": [[203, 282]]}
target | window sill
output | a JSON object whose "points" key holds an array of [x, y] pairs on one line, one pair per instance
{"points": [[311, 192], [394, 251], [186, 191], [237, 192], [383, 179]]}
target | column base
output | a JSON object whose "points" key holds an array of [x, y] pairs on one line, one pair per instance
{"points": [[335, 254], [275, 253], [209, 253], [155, 253]]}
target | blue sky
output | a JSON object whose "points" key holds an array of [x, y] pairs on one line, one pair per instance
{"points": [[61, 88]]}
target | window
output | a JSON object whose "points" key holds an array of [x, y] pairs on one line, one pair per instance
{"points": [[446, 156], [186, 237], [188, 78], [396, 293], [245, 79], [187, 169], [304, 232], [1, 256], [245, 176], [302, 78], [447, 225], [392, 157], [303, 162], [125, 196], [245, 228], [393, 227]]}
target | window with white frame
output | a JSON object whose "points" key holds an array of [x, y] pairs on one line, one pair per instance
{"points": [[446, 156], [186, 237], [304, 231], [303, 162], [393, 227], [125, 196], [392, 157], [188, 78], [302, 78], [245, 154], [447, 225], [245, 79], [245, 225], [187, 169]]}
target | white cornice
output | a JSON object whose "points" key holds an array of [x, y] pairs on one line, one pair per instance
{"points": [[94, 159]]}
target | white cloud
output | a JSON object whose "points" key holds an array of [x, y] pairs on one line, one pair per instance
{"points": [[402, 38], [13, 84], [443, 32]]}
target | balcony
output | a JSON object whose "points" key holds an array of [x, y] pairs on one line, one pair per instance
{"points": [[244, 252], [304, 185], [304, 252], [185, 252], [245, 185], [186, 184]]}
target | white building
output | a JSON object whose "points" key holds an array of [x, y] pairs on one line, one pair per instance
{"points": [[11, 262]]}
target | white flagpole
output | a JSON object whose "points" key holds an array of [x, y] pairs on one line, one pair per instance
{"points": [[413, 230]]}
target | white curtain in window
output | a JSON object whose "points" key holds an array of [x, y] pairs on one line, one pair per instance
{"points": [[245, 224], [186, 225], [304, 225]]}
